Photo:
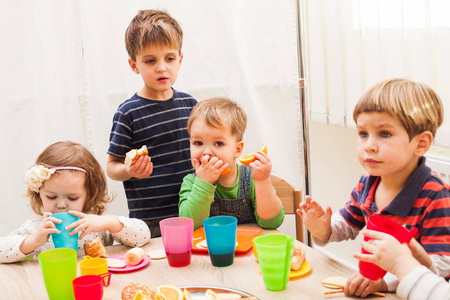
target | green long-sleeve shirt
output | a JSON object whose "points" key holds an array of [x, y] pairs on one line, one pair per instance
{"points": [[196, 196]]}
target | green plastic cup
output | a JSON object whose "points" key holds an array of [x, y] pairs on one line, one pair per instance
{"points": [[59, 269], [275, 255]]}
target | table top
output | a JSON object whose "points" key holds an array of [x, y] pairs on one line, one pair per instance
{"points": [[23, 280]]}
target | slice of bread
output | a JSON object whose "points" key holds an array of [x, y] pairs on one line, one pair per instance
{"points": [[95, 248], [133, 155]]}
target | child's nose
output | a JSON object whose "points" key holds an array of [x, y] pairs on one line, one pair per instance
{"points": [[160, 67], [61, 204], [371, 145]]}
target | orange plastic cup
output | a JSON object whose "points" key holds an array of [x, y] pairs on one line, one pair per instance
{"points": [[93, 266]]}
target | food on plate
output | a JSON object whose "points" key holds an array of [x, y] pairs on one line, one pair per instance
{"points": [[95, 248], [211, 295], [133, 155], [157, 254], [116, 263], [169, 292], [334, 282], [298, 257], [140, 295], [134, 256], [226, 171], [133, 288], [186, 294], [247, 159], [228, 296]]}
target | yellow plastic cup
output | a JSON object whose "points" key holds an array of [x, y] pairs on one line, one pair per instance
{"points": [[59, 269], [274, 252], [93, 266]]}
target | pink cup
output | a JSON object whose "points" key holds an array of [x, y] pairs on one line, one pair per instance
{"points": [[177, 234], [90, 287], [383, 224]]}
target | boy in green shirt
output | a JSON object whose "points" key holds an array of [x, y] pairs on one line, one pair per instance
{"points": [[219, 186]]}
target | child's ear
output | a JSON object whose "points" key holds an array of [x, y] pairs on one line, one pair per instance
{"points": [[133, 66], [424, 141], [181, 57], [239, 148]]}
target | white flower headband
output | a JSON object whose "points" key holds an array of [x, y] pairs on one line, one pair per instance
{"points": [[36, 175]]}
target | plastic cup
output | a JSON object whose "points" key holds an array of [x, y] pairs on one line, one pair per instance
{"points": [[383, 224], [90, 286], [63, 239], [93, 265], [220, 233], [177, 234], [275, 255], [59, 269]]}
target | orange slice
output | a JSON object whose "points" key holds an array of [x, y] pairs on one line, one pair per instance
{"points": [[210, 295], [247, 159], [169, 292], [140, 296], [226, 171], [186, 294]]}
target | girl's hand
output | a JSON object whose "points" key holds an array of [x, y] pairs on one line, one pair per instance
{"points": [[209, 168], [261, 167], [317, 220], [358, 285], [142, 168], [46, 227], [93, 223]]}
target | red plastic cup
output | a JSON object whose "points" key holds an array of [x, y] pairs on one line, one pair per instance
{"points": [[90, 287], [383, 224], [177, 234]]}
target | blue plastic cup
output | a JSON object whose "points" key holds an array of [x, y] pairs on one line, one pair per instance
{"points": [[220, 235], [63, 239]]}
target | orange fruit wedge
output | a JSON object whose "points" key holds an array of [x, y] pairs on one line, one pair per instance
{"points": [[140, 296], [247, 159], [226, 171], [210, 295], [187, 296], [169, 292]]}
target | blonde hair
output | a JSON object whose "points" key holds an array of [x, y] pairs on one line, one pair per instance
{"points": [[221, 113], [417, 106], [152, 27], [62, 154]]}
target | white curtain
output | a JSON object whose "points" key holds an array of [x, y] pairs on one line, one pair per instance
{"points": [[64, 71], [350, 45]]}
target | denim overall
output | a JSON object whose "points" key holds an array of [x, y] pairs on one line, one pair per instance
{"points": [[241, 208]]}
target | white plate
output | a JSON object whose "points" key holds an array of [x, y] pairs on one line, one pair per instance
{"points": [[197, 292]]}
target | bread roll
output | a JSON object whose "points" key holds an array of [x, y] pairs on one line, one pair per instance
{"points": [[133, 155], [298, 257], [130, 290], [95, 248]]}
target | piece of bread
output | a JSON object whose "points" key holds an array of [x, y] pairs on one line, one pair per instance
{"points": [[131, 289], [116, 263], [133, 155], [95, 248], [298, 257], [134, 256]]}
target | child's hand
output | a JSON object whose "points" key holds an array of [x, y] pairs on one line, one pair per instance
{"points": [[45, 228], [209, 168], [142, 168], [419, 253], [261, 167], [358, 285], [93, 223], [315, 218]]}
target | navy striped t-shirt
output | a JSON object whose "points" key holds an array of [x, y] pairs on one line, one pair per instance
{"points": [[162, 127]]}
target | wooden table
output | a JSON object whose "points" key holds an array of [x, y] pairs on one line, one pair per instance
{"points": [[23, 280]]}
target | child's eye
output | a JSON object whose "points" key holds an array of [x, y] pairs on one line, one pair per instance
{"points": [[385, 134], [363, 134], [73, 199], [218, 144], [171, 58], [51, 197], [197, 143], [149, 61]]}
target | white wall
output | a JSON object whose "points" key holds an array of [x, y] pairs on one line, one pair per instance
{"points": [[334, 172]]}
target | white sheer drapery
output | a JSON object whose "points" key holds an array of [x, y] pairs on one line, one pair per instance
{"points": [[350, 45], [65, 71]]}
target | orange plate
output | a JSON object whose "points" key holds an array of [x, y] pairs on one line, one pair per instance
{"points": [[244, 238]]}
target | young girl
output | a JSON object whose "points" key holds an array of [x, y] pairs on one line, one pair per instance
{"points": [[67, 178], [216, 127]]}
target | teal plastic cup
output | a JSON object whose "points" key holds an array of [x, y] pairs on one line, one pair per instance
{"points": [[220, 233], [63, 239], [59, 269], [274, 256]]}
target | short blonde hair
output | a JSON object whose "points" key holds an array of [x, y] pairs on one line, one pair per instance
{"points": [[152, 27], [418, 107], [64, 154], [221, 113]]}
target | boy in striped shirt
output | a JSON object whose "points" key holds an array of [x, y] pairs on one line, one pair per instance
{"points": [[156, 116], [396, 122]]}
